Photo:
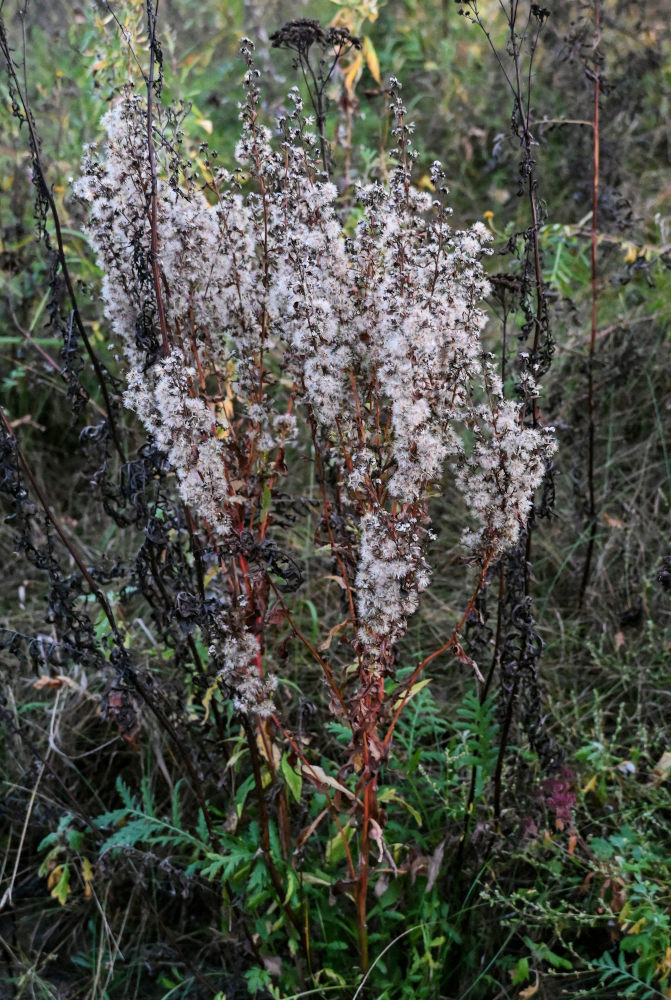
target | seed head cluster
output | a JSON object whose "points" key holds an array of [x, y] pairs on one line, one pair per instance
{"points": [[292, 318]]}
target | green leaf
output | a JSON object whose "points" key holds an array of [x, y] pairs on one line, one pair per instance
{"points": [[125, 793], [390, 794], [257, 979], [201, 827], [135, 832], [542, 952], [520, 972], [335, 848], [267, 500], [293, 779], [176, 806], [112, 818], [47, 841], [75, 839]]}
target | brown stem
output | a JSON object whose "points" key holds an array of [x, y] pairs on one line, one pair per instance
{"points": [[327, 520], [95, 590], [369, 806], [152, 13], [591, 514], [47, 358], [533, 208], [265, 829], [484, 691], [331, 806], [505, 729]]}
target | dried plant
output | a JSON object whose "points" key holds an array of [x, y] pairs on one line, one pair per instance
{"points": [[284, 323], [334, 42]]}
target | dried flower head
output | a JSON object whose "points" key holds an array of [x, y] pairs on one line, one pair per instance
{"points": [[302, 33], [371, 338]]}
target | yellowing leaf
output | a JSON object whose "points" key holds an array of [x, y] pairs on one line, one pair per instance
{"points": [[389, 794], [269, 750], [207, 698], [664, 966], [336, 579], [372, 60], [353, 72], [425, 183], [414, 690], [87, 876], [591, 784], [333, 632], [59, 883], [205, 124], [335, 847], [366, 9]]}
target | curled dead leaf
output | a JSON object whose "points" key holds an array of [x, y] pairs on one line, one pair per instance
{"points": [[530, 991]]}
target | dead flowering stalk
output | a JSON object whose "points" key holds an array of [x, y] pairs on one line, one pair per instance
{"points": [[594, 72], [289, 326]]}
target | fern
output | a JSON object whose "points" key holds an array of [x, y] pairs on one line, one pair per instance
{"points": [[136, 825], [234, 860], [628, 983], [125, 793], [477, 725]]}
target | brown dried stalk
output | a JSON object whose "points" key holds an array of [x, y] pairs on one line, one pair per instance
{"points": [[591, 429]]}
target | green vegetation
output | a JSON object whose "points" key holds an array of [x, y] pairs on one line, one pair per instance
{"points": [[156, 842]]}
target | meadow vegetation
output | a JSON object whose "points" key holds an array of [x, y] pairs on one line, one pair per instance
{"points": [[336, 490]]}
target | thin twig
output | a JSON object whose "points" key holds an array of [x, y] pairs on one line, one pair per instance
{"points": [[45, 192], [591, 410]]}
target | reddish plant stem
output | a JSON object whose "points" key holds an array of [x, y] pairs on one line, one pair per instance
{"points": [[454, 638]]}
